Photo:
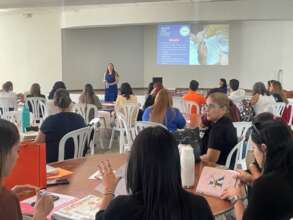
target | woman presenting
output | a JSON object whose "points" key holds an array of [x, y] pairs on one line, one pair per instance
{"points": [[111, 81]]}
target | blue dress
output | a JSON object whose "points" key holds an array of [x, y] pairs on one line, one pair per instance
{"points": [[112, 91]]}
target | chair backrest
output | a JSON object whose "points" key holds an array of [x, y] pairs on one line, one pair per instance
{"points": [[241, 128], [12, 116], [125, 136], [38, 108], [130, 112], [87, 111], [7, 103], [278, 109], [188, 107], [239, 157], [140, 125], [81, 138]]}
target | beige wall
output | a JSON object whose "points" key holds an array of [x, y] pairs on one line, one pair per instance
{"points": [[30, 49]]}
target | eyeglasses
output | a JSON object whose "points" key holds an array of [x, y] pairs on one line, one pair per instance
{"points": [[210, 106]]}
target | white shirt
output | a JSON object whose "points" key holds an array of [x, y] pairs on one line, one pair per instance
{"points": [[264, 104], [237, 96]]}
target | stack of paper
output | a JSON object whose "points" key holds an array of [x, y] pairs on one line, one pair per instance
{"points": [[83, 209]]}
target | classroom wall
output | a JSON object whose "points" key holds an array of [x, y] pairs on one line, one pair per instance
{"points": [[86, 53], [30, 49], [180, 75], [258, 50]]}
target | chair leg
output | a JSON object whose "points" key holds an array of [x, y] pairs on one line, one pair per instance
{"points": [[121, 142], [112, 138]]}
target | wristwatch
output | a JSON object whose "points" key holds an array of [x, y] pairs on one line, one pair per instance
{"points": [[234, 199]]}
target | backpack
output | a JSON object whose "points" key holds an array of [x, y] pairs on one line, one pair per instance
{"points": [[246, 110]]}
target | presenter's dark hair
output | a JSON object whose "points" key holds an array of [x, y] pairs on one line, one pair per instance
{"points": [[114, 71], [193, 85], [234, 84], [154, 171], [126, 90]]}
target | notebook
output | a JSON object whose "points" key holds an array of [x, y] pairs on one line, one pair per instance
{"points": [[83, 209], [213, 181]]}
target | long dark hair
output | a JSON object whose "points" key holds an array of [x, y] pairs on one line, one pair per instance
{"points": [[224, 83], [115, 74], [57, 85], [260, 88], [88, 95], [126, 90], [9, 136], [154, 171], [277, 136], [35, 90]]}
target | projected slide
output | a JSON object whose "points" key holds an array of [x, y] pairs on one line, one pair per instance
{"points": [[193, 44]]}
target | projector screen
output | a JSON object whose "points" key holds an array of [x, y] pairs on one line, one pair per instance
{"points": [[193, 44]]}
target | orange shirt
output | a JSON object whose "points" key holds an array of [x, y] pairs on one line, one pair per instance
{"points": [[195, 97]]}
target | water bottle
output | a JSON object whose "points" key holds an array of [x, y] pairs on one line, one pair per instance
{"points": [[187, 165], [25, 118]]}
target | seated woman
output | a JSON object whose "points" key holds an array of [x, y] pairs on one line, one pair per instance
{"points": [[262, 100], [51, 108], [220, 136], [35, 91], [7, 93], [9, 203], [277, 92], [272, 193], [153, 166], [88, 96], [163, 112], [150, 99], [56, 126], [126, 95]]}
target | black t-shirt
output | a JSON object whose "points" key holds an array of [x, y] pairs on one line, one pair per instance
{"points": [[55, 127], [220, 136], [271, 198], [131, 208]]}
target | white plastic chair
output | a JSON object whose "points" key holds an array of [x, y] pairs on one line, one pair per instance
{"points": [[187, 107], [96, 122], [81, 137], [7, 103], [241, 128], [85, 111], [129, 113], [12, 116], [125, 140], [140, 125], [240, 158], [279, 108], [39, 109]]}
